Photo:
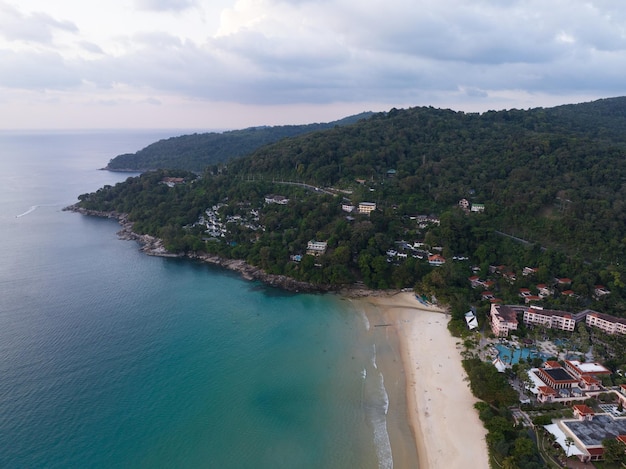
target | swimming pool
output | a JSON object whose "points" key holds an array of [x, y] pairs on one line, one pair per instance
{"points": [[511, 355]]}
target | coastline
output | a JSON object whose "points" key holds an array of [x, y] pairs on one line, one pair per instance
{"points": [[154, 246], [445, 426], [431, 419]]}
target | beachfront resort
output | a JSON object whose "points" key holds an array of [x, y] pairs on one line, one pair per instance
{"points": [[552, 373]]}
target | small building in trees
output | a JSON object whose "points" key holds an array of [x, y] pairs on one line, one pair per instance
{"points": [[316, 248], [366, 207]]}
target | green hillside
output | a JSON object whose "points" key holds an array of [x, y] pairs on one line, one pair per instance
{"points": [[553, 177], [195, 152]]}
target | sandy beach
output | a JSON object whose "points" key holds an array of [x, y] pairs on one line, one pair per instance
{"points": [[439, 403]]}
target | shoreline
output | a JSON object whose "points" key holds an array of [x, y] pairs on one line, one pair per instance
{"points": [[420, 395], [154, 246], [446, 429]]}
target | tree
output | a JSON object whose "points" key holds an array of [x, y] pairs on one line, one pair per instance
{"points": [[509, 463], [613, 451], [569, 441]]}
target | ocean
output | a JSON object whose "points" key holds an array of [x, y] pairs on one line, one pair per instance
{"points": [[112, 358]]}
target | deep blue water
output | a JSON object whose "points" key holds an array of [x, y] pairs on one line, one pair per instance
{"points": [[111, 358]]}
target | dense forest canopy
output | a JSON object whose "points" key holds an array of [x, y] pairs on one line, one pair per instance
{"points": [[552, 177], [195, 152]]}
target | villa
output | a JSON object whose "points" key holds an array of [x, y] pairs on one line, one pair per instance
{"points": [[436, 260]]}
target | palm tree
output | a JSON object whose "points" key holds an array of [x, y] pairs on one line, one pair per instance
{"points": [[569, 441]]}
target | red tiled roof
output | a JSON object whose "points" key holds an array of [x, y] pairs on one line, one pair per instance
{"points": [[583, 409], [590, 380], [546, 390]]}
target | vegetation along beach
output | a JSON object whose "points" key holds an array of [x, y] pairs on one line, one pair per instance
{"points": [[496, 226]]}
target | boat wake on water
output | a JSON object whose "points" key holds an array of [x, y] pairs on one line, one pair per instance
{"points": [[35, 207]]}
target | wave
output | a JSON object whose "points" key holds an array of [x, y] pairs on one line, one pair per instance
{"points": [[365, 320], [376, 402], [373, 357], [381, 436]]}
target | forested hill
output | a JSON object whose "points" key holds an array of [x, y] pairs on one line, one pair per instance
{"points": [[554, 177], [195, 152]]}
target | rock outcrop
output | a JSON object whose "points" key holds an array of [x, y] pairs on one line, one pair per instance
{"points": [[154, 246]]}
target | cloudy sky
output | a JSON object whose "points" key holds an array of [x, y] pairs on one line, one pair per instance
{"points": [[216, 64]]}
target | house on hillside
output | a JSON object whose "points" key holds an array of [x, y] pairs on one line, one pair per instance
{"points": [[316, 248], [366, 207], [276, 199], [436, 260], [171, 182]]}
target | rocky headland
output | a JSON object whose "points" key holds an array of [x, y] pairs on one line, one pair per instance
{"points": [[154, 246]]}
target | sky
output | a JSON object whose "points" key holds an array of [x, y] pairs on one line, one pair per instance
{"points": [[228, 64]]}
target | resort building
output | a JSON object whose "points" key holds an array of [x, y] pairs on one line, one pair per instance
{"points": [[503, 319], [550, 319], [571, 382], [316, 248], [606, 323], [366, 207], [588, 369], [557, 377], [587, 431]]}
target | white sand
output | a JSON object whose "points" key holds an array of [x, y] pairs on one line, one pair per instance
{"points": [[447, 429]]}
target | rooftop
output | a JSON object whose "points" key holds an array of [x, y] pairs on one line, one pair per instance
{"points": [[589, 367], [558, 374], [592, 432]]}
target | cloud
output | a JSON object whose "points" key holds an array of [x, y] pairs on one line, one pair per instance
{"points": [[281, 52], [37, 71], [91, 47], [164, 5], [35, 27]]}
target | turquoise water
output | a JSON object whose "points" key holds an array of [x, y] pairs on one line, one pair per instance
{"points": [[514, 355], [111, 358]]}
